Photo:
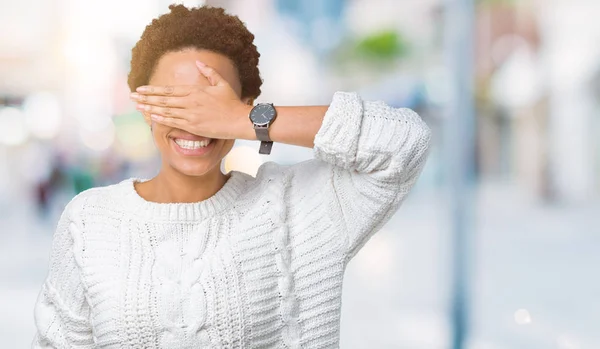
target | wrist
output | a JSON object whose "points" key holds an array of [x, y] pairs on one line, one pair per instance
{"points": [[245, 130]]}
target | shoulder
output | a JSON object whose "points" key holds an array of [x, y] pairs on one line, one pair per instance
{"points": [[313, 168], [303, 179], [272, 176], [94, 199]]}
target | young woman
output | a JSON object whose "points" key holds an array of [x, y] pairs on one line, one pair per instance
{"points": [[194, 258]]}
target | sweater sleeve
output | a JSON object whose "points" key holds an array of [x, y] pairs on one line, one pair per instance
{"points": [[375, 154], [61, 310]]}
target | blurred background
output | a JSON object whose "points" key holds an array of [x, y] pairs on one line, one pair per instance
{"points": [[498, 245]]}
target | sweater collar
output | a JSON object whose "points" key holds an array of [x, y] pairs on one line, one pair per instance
{"points": [[182, 212]]}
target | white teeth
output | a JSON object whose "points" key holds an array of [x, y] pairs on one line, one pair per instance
{"points": [[185, 144]]}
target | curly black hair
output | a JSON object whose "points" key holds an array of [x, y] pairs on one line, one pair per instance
{"points": [[208, 28]]}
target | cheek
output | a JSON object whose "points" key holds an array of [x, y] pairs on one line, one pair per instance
{"points": [[226, 148], [159, 132]]}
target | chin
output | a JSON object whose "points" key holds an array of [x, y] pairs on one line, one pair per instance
{"points": [[196, 168]]}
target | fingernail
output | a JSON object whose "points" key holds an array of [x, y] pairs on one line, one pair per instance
{"points": [[134, 95], [142, 89], [200, 64], [140, 107], [155, 117]]}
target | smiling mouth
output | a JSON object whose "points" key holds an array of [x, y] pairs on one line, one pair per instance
{"points": [[192, 145]]}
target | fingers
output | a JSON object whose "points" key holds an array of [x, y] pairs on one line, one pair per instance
{"points": [[176, 91], [160, 101], [213, 77], [161, 111], [147, 118], [171, 122]]}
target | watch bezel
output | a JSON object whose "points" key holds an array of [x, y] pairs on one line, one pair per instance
{"points": [[253, 112]]}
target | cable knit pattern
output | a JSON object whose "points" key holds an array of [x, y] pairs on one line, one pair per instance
{"points": [[289, 306], [260, 264], [181, 285]]}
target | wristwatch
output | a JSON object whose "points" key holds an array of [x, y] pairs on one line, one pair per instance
{"points": [[262, 116]]}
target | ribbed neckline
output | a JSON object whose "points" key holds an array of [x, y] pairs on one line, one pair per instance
{"points": [[182, 212]]}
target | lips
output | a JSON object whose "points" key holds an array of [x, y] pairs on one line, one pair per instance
{"points": [[188, 144], [192, 147]]}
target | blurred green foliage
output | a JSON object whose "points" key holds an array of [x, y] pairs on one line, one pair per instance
{"points": [[377, 50], [385, 45]]}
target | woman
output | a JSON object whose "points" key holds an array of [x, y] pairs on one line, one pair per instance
{"points": [[194, 258]]}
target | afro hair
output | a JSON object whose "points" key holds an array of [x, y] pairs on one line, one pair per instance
{"points": [[208, 28]]}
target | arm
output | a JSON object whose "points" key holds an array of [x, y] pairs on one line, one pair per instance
{"points": [[61, 310], [293, 125], [371, 155], [216, 111], [377, 153], [374, 153]]}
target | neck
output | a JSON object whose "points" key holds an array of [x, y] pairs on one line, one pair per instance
{"points": [[171, 186]]}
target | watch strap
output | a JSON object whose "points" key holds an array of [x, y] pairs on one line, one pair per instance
{"points": [[265, 147], [262, 133]]}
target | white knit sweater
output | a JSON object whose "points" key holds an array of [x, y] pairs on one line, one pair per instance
{"points": [[258, 265]]}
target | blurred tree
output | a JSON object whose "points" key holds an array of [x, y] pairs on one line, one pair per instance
{"points": [[379, 51], [387, 45]]}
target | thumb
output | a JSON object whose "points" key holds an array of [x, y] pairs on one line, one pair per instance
{"points": [[213, 77]]}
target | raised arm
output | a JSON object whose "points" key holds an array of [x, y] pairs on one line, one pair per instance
{"points": [[61, 310], [376, 153], [368, 157], [370, 153]]}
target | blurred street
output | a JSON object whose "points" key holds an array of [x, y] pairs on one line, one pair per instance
{"points": [[534, 280]]}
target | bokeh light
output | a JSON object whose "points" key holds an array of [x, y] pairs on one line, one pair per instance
{"points": [[133, 137], [43, 115], [522, 317], [13, 130], [98, 140], [244, 159]]}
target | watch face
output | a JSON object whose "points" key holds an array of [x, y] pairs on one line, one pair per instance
{"points": [[262, 114]]}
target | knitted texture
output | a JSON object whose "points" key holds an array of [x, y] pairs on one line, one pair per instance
{"points": [[258, 265]]}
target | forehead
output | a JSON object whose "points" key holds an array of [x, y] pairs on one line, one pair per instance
{"points": [[179, 68]]}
